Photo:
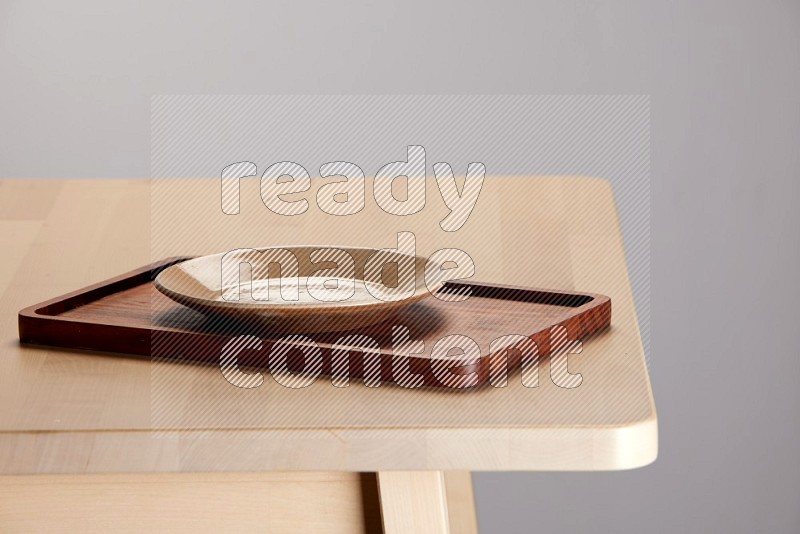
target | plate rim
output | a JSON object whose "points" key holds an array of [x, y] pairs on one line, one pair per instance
{"points": [[281, 307]]}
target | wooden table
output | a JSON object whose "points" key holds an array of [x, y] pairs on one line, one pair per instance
{"points": [[81, 448]]}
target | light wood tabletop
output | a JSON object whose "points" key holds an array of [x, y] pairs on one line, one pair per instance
{"points": [[89, 414]]}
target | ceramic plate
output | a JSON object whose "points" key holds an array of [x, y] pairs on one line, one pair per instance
{"points": [[300, 288]]}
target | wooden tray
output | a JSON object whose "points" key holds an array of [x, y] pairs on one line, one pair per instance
{"points": [[126, 314]]}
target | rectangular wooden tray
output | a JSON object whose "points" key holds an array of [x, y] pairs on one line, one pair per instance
{"points": [[127, 315]]}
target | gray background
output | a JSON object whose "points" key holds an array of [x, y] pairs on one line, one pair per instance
{"points": [[724, 78]]}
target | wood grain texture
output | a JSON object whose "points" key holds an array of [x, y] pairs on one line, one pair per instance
{"points": [[190, 503], [126, 314], [72, 412], [461, 511], [413, 501]]}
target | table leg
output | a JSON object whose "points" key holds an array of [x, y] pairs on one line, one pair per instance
{"points": [[426, 502], [460, 502], [403, 501]]}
